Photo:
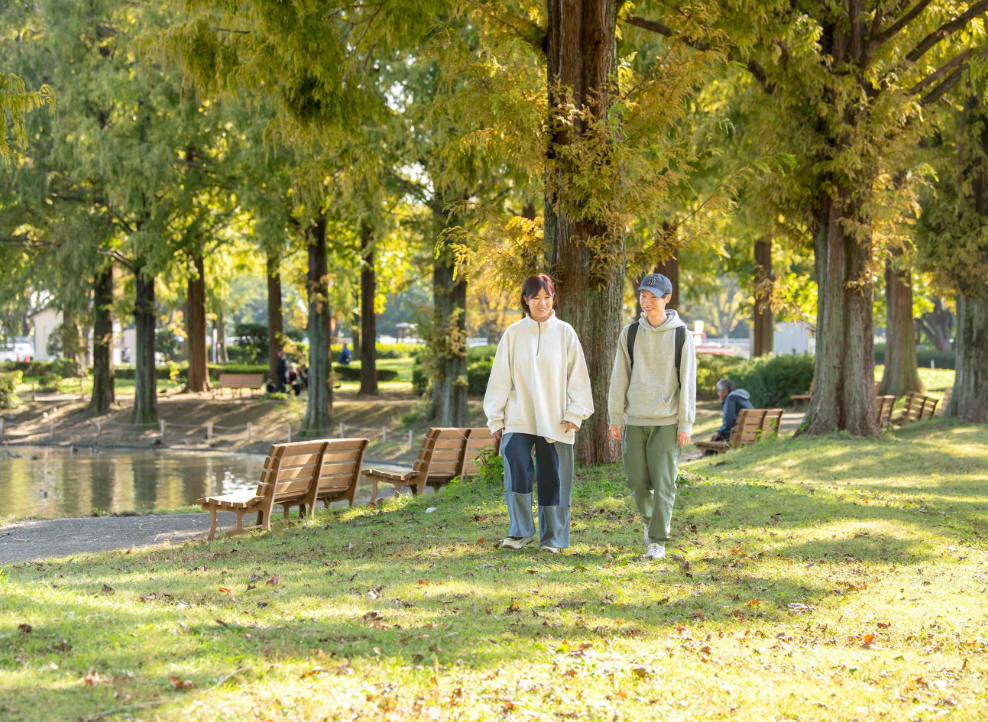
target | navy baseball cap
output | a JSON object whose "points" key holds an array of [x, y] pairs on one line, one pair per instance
{"points": [[658, 284]]}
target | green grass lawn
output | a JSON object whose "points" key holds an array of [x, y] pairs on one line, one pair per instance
{"points": [[809, 579]]}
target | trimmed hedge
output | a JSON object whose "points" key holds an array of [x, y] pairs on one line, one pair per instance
{"points": [[942, 359], [9, 381], [384, 350], [711, 368], [771, 380], [27, 368], [352, 373]]}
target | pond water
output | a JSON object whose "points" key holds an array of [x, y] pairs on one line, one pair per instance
{"points": [[53, 481]]}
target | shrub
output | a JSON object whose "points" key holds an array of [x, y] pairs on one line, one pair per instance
{"points": [[65, 367], [771, 380], [50, 382], [9, 381], [711, 368], [420, 380], [27, 368], [478, 353], [384, 350], [478, 373], [251, 342], [942, 359], [352, 373]]}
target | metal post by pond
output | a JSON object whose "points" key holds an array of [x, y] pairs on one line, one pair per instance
{"points": [[289, 433], [384, 434], [409, 439], [341, 430], [248, 433], [161, 426], [209, 431]]}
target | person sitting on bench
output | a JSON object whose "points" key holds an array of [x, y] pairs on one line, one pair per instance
{"points": [[734, 399]]}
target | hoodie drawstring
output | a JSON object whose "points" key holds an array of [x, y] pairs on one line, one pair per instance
{"points": [[539, 346]]}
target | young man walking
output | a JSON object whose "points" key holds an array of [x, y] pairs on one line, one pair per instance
{"points": [[653, 395]]}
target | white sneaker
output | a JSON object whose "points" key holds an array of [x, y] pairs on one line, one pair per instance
{"points": [[551, 550], [516, 542], [655, 551]]}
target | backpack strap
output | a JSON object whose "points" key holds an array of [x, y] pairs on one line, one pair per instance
{"points": [[632, 334], [680, 342]]}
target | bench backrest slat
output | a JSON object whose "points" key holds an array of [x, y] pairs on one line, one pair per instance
{"points": [[884, 406], [246, 381], [339, 473], [289, 472], [478, 439]]}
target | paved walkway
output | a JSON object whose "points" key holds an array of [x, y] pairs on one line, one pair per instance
{"points": [[37, 539]]}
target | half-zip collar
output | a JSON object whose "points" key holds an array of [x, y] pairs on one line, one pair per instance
{"points": [[550, 319]]}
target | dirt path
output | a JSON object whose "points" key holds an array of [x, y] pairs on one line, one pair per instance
{"points": [[38, 539]]}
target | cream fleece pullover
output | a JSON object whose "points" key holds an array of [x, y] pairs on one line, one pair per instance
{"points": [[539, 380], [649, 394]]}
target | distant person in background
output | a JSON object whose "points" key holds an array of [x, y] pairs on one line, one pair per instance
{"points": [[303, 377], [293, 378], [281, 372], [345, 355], [733, 399]]}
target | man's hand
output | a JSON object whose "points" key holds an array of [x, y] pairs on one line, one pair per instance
{"points": [[615, 430], [682, 438], [570, 427]]}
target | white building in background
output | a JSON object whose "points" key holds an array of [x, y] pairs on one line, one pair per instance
{"points": [[793, 338], [45, 323]]}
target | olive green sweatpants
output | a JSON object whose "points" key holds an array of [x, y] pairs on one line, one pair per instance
{"points": [[651, 460]]}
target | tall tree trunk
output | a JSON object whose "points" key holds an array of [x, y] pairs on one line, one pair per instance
{"points": [[844, 392], [103, 393], [764, 333], [969, 397], [197, 379], [581, 61], [219, 325], [901, 375], [449, 390], [355, 332], [73, 346], [319, 412], [145, 378], [276, 325], [368, 321], [937, 325]]}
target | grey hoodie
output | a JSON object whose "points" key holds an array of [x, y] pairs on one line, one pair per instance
{"points": [[649, 395]]}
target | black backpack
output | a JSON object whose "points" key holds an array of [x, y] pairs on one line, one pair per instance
{"points": [[680, 342]]}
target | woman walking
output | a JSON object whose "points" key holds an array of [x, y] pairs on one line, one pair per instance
{"points": [[537, 397]]}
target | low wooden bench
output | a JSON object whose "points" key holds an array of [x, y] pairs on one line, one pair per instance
{"points": [[796, 398], [446, 453], [919, 407], [292, 475], [752, 425], [883, 406], [239, 382], [340, 474]]}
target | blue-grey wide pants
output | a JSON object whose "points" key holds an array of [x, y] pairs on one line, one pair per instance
{"points": [[553, 467]]}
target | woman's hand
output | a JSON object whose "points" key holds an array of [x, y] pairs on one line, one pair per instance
{"points": [[682, 438], [497, 434], [570, 427], [615, 430]]}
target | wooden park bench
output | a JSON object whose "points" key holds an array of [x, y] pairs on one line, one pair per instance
{"points": [[919, 407], [477, 440], [341, 471], [239, 382], [293, 475], [883, 405], [752, 425], [446, 453]]}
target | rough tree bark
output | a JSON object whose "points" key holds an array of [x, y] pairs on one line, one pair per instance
{"points": [[581, 60], [844, 391], [319, 411], [368, 321], [197, 352], [450, 389], [900, 375], [103, 393], [969, 397], [276, 326], [145, 378], [764, 318]]}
